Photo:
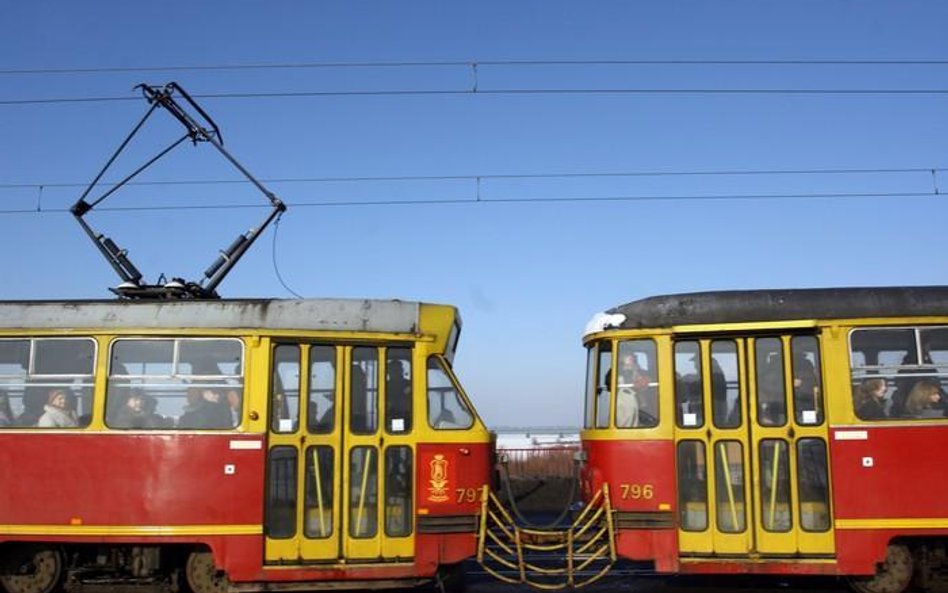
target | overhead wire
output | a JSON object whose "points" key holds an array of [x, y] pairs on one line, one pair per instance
{"points": [[471, 63], [483, 200], [481, 91], [500, 176]]}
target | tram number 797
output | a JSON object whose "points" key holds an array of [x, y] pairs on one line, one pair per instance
{"points": [[466, 494]]}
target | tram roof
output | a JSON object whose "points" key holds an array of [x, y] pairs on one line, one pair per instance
{"points": [[741, 306], [391, 316]]}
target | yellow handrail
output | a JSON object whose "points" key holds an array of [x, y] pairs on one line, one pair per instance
{"points": [[773, 486], [319, 492], [730, 487], [365, 479]]}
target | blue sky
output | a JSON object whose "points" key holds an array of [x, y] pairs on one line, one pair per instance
{"points": [[526, 276]]}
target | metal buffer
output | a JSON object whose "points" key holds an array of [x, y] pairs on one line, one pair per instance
{"points": [[547, 559], [199, 128]]}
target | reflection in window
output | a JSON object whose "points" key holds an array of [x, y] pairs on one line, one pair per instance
{"points": [[771, 398], [807, 390], [775, 485], [364, 390], [317, 522], [285, 389], [363, 492], [899, 373], [729, 491], [398, 412], [398, 491], [689, 405], [692, 486], [446, 409], [187, 383], [590, 386], [46, 382], [321, 407], [604, 385], [637, 385], [281, 493], [725, 385], [813, 485]]}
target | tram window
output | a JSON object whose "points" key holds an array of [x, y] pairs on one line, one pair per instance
{"points": [[165, 383], [46, 382], [398, 390], [317, 518], [729, 490], [590, 386], [775, 486], [63, 357], [807, 388], [689, 404], [637, 385], [364, 391], [725, 385], [692, 486], [398, 491], [285, 389], [446, 409], [281, 493], [363, 492], [813, 485], [771, 396], [321, 407], [452, 345], [899, 373], [604, 385]]}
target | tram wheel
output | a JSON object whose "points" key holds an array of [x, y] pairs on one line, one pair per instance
{"points": [[202, 575], [46, 573], [894, 576]]}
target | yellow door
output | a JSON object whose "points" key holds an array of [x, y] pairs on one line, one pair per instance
{"points": [[303, 464], [752, 474], [378, 486], [340, 457]]}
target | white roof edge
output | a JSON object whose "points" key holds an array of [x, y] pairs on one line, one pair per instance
{"points": [[388, 316], [603, 321]]}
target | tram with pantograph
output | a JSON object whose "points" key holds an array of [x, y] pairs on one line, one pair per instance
{"points": [[238, 445], [775, 431]]}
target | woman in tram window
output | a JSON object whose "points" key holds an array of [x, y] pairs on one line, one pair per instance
{"points": [[924, 400], [632, 382], [870, 399], [57, 413]]}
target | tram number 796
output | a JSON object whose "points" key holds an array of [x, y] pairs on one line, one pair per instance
{"points": [[636, 491]]}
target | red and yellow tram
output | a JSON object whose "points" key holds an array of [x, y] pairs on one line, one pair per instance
{"points": [[775, 431], [236, 444]]}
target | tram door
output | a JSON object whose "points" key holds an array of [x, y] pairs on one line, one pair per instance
{"points": [[340, 457], [751, 441]]}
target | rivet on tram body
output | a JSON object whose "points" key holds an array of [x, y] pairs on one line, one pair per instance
{"points": [[464, 451]]}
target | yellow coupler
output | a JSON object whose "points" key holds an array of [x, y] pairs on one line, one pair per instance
{"points": [[572, 557]]}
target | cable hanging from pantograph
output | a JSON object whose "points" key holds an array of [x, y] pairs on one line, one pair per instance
{"points": [[199, 128]]}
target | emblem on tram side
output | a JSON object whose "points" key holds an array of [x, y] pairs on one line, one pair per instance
{"points": [[438, 492]]}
